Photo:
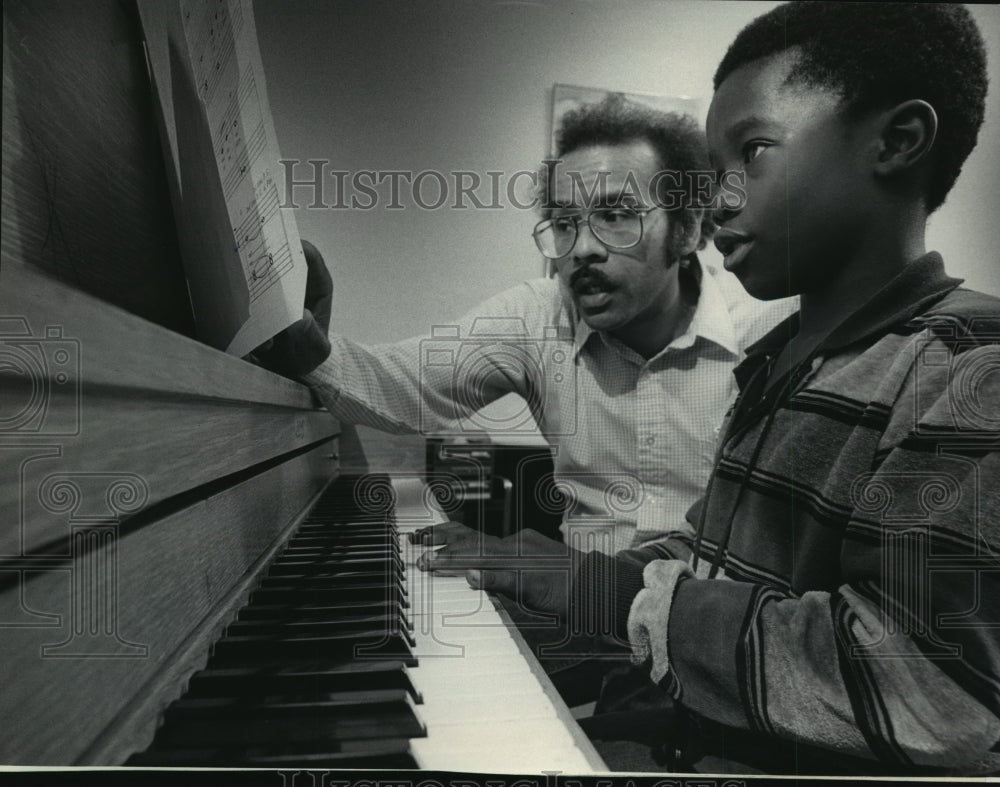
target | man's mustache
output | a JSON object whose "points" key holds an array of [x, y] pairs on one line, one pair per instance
{"points": [[590, 277]]}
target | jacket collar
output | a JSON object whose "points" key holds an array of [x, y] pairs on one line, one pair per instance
{"points": [[910, 292]]}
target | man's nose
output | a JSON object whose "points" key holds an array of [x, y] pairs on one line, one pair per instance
{"points": [[587, 247]]}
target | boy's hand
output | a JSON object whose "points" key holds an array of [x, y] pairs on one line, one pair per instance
{"points": [[445, 533], [304, 344], [526, 566]]}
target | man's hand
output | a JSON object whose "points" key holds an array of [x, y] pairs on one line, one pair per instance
{"points": [[304, 344], [526, 566]]}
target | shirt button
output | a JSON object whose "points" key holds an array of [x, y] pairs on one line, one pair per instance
{"points": [[650, 440]]}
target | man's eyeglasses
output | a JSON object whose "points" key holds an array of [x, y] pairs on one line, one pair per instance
{"points": [[617, 228]]}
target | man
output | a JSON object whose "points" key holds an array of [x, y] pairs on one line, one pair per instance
{"points": [[625, 358]]}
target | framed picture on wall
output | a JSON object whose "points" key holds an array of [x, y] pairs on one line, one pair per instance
{"points": [[566, 98]]}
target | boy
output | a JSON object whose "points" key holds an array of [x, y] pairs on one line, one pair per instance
{"points": [[853, 511]]}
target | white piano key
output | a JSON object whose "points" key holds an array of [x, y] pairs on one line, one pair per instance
{"points": [[519, 746], [484, 707], [506, 677]]}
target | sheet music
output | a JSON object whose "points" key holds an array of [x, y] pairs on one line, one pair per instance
{"points": [[209, 77]]}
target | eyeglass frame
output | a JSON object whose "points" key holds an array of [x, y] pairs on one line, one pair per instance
{"points": [[641, 213]]}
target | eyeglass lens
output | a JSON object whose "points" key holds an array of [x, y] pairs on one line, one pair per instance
{"points": [[614, 227]]}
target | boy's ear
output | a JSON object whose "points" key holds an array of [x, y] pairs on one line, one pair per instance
{"points": [[908, 133]]}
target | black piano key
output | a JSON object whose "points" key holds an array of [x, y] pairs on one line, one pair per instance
{"points": [[225, 722], [347, 596], [332, 548], [320, 544], [392, 753], [348, 566], [357, 625], [313, 671], [307, 558], [268, 659], [336, 611], [347, 581], [265, 602], [275, 706], [364, 644], [370, 675], [383, 753], [352, 557], [374, 533], [344, 521], [379, 557]]}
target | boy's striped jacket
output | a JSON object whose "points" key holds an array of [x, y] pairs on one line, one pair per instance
{"points": [[852, 525]]}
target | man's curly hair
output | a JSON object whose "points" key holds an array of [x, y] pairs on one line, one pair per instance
{"points": [[879, 54], [677, 139]]}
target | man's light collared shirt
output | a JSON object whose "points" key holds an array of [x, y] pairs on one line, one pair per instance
{"points": [[633, 440]]}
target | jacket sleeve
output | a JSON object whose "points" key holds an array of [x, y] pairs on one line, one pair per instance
{"points": [[901, 662], [604, 586], [427, 384]]}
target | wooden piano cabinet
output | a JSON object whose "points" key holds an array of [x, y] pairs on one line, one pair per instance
{"points": [[143, 475], [144, 478]]}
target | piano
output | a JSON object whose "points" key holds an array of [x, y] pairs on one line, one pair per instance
{"points": [[348, 656], [185, 561]]}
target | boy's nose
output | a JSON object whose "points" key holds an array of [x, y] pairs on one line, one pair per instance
{"points": [[722, 213]]}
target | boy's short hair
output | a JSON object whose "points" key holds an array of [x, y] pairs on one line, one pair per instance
{"points": [[676, 138], [876, 54]]}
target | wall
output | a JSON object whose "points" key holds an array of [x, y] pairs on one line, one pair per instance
{"points": [[452, 84]]}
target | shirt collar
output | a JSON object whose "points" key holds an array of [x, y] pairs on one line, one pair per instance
{"points": [[710, 321], [912, 290]]}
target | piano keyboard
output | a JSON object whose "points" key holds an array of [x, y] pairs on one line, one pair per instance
{"points": [[349, 656]]}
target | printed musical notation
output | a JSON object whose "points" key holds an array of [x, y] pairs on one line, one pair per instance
{"points": [[236, 149], [242, 255], [212, 29], [227, 75], [257, 221]]}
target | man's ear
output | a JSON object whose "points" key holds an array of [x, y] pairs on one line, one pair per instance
{"points": [[907, 136], [686, 237]]}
